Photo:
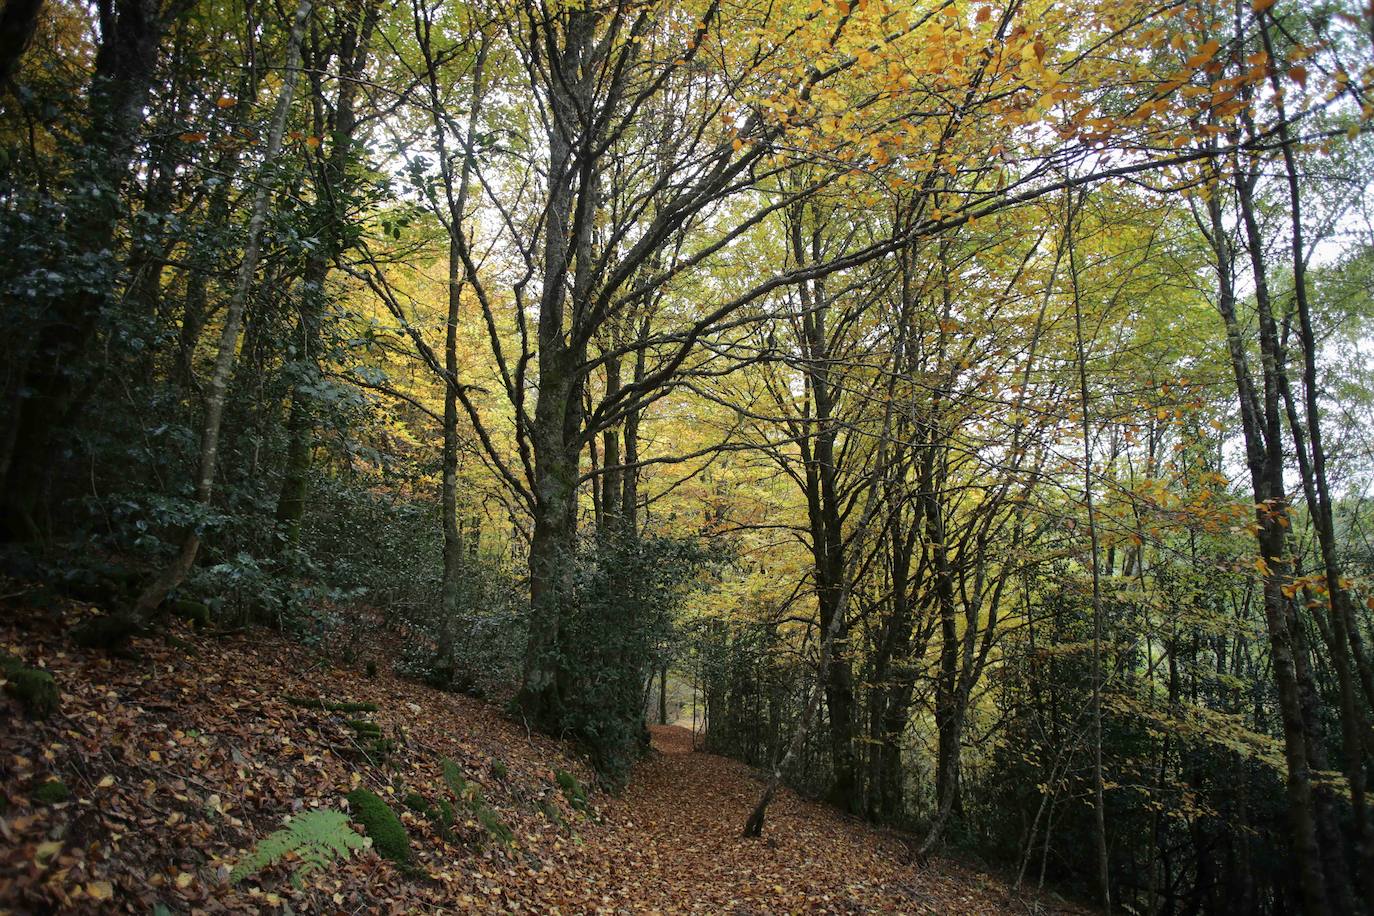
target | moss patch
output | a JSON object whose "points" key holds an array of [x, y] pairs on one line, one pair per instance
{"points": [[329, 706], [573, 791], [469, 796], [34, 688], [52, 792], [197, 612], [388, 834], [365, 729]]}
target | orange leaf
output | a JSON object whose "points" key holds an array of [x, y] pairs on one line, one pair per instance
{"points": [[1298, 75]]}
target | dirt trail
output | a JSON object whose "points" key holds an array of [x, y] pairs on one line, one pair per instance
{"points": [[671, 844]]}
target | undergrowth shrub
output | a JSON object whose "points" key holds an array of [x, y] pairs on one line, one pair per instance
{"points": [[626, 598]]}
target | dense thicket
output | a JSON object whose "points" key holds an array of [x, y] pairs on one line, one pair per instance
{"points": [[969, 402]]}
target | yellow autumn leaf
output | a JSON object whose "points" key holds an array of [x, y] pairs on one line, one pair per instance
{"points": [[45, 851], [99, 890]]}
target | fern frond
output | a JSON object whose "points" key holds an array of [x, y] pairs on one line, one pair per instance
{"points": [[318, 837]]}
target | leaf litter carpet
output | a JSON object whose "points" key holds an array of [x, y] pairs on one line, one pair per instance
{"points": [[180, 759]]}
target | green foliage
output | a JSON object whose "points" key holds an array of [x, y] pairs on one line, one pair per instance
{"points": [[499, 769], [52, 792], [34, 688], [487, 633], [628, 591], [318, 837], [492, 823], [388, 834], [453, 777], [551, 812], [197, 612]]}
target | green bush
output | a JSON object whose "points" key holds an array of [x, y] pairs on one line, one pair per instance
{"points": [[627, 593], [388, 834]]}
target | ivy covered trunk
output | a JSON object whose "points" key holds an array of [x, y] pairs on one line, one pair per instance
{"points": [[553, 547], [57, 367]]}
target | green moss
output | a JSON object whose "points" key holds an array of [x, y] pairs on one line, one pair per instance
{"points": [[34, 688], [470, 797], [492, 823], [365, 729], [551, 812], [573, 791], [316, 703], [112, 631], [453, 776], [499, 770], [52, 792], [197, 612], [388, 834], [439, 814]]}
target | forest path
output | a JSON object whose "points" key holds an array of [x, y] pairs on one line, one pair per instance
{"points": [[671, 843], [181, 759]]}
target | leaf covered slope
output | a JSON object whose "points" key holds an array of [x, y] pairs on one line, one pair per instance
{"points": [[182, 761]]}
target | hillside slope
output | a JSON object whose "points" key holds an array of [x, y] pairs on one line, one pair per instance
{"points": [[179, 760]]}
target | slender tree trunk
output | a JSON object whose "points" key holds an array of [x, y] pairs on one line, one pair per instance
{"points": [[1260, 426], [1347, 655], [1099, 795], [753, 827], [663, 694], [175, 572], [331, 199]]}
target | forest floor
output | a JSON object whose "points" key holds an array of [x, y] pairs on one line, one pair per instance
{"points": [[182, 756]]}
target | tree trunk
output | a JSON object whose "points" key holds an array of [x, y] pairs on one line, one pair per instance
{"points": [[173, 575], [1260, 426], [17, 24], [131, 31], [330, 199]]}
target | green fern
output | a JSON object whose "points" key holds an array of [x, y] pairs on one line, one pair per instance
{"points": [[318, 837]]}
